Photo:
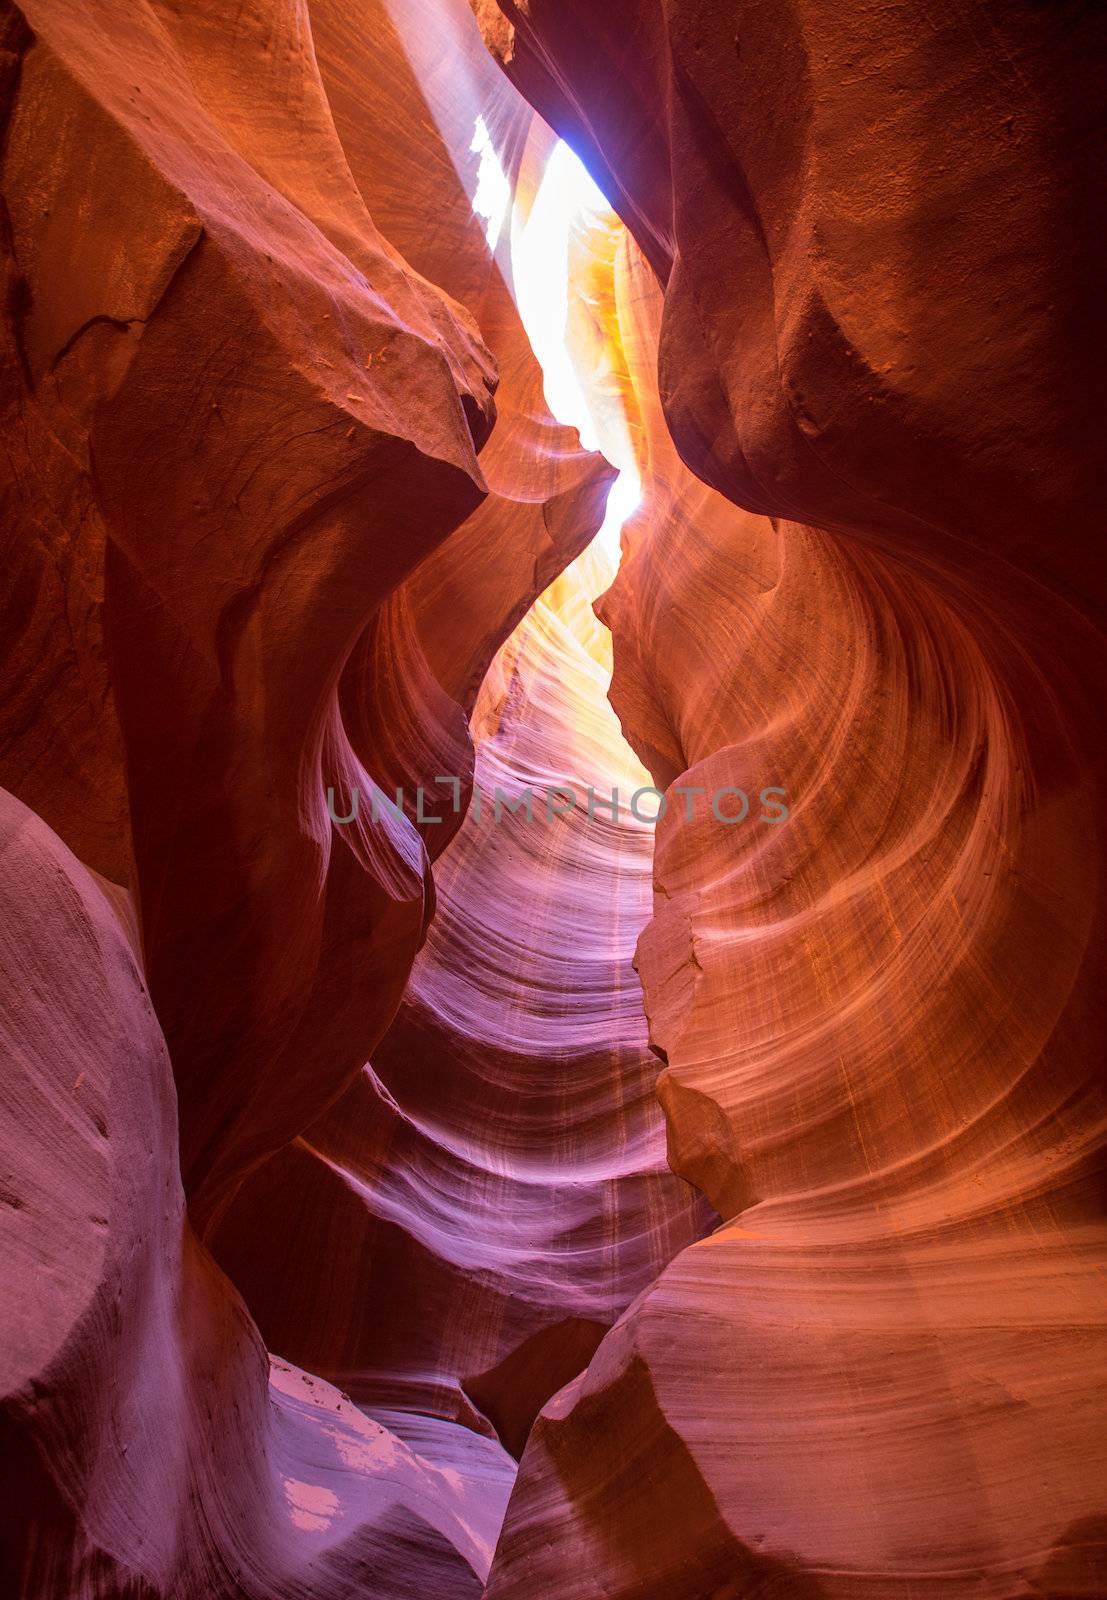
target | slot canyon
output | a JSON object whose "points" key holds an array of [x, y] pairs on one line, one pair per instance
{"points": [[552, 947]]}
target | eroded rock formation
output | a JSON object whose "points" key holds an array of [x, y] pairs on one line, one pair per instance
{"points": [[883, 1021], [149, 1444], [346, 1165], [493, 1188], [241, 430]]}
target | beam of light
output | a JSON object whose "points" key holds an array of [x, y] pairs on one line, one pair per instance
{"points": [[563, 271], [493, 191], [623, 500], [540, 268], [568, 207]]}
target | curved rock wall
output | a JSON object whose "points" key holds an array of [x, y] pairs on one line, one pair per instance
{"points": [[493, 1189], [149, 1445], [883, 1020], [217, 386], [253, 558]]}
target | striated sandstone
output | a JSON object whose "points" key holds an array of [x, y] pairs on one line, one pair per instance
{"points": [[235, 434], [882, 1023], [149, 1446]]}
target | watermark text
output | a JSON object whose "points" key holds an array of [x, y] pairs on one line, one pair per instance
{"points": [[727, 806]]}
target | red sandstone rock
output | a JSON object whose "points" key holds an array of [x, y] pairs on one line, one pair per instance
{"points": [[493, 1191], [496, 1180], [215, 374], [882, 1021], [147, 1445], [235, 432]]}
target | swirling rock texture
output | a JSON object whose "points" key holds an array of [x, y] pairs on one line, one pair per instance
{"points": [[493, 1188], [253, 557], [882, 1376], [149, 1446], [779, 1268]]}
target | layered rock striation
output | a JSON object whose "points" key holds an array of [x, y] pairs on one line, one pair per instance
{"points": [[882, 1021], [253, 559]]}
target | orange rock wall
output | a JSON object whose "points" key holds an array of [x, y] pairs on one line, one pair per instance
{"points": [[252, 556], [883, 1020]]}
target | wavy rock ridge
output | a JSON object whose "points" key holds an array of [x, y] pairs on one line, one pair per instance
{"points": [[254, 558], [882, 1022]]}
